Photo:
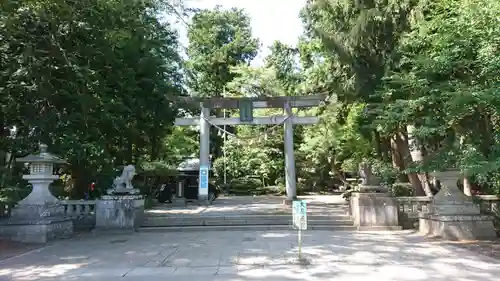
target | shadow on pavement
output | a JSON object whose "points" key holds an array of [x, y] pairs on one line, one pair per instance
{"points": [[248, 256]]}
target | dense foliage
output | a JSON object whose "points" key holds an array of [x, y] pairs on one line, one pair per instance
{"points": [[427, 75], [413, 87], [95, 80]]}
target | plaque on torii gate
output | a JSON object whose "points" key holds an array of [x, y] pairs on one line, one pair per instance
{"points": [[246, 106]]}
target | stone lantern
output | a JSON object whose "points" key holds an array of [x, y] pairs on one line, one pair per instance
{"points": [[40, 216], [453, 215], [41, 175]]}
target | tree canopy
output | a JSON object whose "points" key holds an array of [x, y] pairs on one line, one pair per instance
{"points": [[413, 87], [95, 80]]}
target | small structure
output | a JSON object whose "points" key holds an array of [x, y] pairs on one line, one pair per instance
{"points": [[453, 215], [40, 216], [187, 179], [371, 206], [187, 182], [246, 106], [123, 208]]}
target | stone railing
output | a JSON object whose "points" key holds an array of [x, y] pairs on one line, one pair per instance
{"points": [[489, 204], [82, 212], [410, 207]]}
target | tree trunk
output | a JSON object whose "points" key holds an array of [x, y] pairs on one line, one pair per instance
{"points": [[130, 152], [336, 171], [467, 187], [80, 180], [385, 144], [155, 148], [400, 159], [417, 155]]}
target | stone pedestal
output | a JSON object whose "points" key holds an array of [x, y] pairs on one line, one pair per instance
{"points": [[119, 212], [38, 218], [374, 211], [457, 227], [453, 215], [36, 224]]}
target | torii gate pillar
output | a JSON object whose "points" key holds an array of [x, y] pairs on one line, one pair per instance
{"points": [[290, 179], [204, 147]]}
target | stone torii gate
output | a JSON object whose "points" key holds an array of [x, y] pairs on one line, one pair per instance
{"points": [[246, 106]]}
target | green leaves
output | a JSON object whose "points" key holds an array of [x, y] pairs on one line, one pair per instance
{"points": [[94, 79], [425, 65], [218, 40]]}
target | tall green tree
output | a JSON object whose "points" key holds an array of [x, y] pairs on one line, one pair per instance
{"points": [[94, 79], [425, 72], [362, 37], [218, 40]]}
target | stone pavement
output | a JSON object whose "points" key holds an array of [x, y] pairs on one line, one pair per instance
{"points": [[246, 205], [248, 256]]}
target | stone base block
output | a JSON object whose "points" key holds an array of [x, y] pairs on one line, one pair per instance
{"points": [[37, 212], [379, 228], [459, 227], [36, 232], [119, 213], [123, 191], [374, 211]]}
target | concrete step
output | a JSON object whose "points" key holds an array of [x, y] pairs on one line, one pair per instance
{"points": [[156, 221], [333, 216], [245, 218], [241, 222], [245, 227]]}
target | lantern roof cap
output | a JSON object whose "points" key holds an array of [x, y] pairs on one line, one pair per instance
{"points": [[42, 157]]}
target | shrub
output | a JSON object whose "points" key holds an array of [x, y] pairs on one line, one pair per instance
{"points": [[245, 186], [401, 189]]}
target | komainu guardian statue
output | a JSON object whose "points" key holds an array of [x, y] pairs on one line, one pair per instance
{"points": [[123, 183]]}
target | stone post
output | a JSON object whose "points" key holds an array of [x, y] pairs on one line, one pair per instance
{"points": [[290, 178], [40, 216], [372, 208], [453, 215]]}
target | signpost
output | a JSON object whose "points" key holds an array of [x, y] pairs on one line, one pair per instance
{"points": [[300, 220], [203, 182]]}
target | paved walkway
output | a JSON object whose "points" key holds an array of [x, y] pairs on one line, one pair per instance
{"points": [[246, 205], [248, 256]]}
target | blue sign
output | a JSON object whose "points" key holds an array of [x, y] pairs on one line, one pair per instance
{"points": [[203, 181], [300, 214], [300, 207]]}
